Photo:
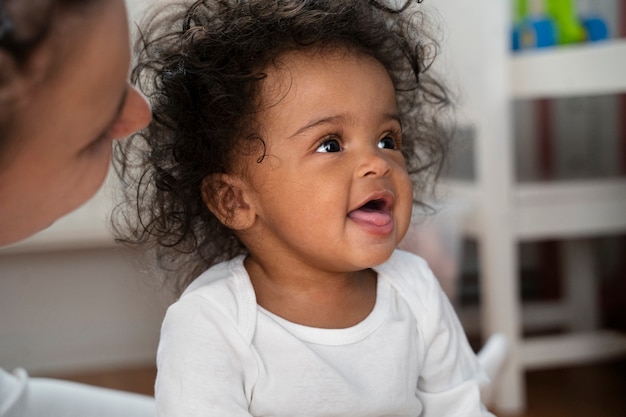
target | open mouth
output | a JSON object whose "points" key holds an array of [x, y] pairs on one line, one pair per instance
{"points": [[375, 214], [375, 205]]}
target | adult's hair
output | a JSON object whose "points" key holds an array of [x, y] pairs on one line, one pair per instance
{"points": [[201, 65]]}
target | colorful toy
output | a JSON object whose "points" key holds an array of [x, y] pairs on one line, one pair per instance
{"points": [[594, 14], [532, 28], [544, 23], [595, 28], [569, 27]]}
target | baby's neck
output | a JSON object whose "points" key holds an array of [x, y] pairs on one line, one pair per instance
{"points": [[326, 301]]}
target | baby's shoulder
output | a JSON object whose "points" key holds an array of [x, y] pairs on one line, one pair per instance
{"points": [[406, 267], [218, 281], [221, 293], [410, 276]]}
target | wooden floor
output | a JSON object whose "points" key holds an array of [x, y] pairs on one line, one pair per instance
{"points": [[597, 390], [591, 391]]}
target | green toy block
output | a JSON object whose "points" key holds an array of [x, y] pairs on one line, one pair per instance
{"points": [[569, 27]]}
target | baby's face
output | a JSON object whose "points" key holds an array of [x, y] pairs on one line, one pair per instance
{"points": [[333, 190]]}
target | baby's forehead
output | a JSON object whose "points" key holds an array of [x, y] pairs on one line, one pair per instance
{"points": [[325, 83], [318, 52], [281, 72]]}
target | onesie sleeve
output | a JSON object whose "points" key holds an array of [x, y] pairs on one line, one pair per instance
{"points": [[450, 376], [202, 362]]}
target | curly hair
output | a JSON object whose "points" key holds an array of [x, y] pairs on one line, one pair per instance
{"points": [[200, 66]]}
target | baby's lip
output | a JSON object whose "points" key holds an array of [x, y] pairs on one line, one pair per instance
{"points": [[375, 214], [381, 201]]}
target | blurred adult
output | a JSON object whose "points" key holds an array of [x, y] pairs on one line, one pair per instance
{"points": [[64, 97]]}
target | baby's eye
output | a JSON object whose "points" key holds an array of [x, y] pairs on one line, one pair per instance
{"points": [[387, 143], [329, 145]]}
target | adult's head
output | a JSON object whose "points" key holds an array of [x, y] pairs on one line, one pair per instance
{"points": [[64, 96]]}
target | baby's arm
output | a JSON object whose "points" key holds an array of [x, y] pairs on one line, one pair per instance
{"points": [[451, 376], [201, 361]]}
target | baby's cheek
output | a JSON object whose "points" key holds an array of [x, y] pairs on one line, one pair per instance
{"points": [[404, 206]]}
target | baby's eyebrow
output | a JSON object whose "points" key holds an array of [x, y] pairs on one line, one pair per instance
{"points": [[393, 116], [317, 122], [339, 118]]}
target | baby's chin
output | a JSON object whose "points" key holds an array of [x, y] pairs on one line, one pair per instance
{"points": [[377, 258]]}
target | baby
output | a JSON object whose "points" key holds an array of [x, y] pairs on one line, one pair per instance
{"points": [[275, 183]]}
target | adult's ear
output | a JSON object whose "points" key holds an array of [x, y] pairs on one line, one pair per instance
{"points": [[227, 197]]}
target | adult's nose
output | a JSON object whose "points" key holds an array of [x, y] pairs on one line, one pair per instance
{"points": [[135, 115]]}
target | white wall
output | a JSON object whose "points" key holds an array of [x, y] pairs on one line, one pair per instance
{"points": [[136, 8], [76, 309]]}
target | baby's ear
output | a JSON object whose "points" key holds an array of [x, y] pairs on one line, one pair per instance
{"points": [[226, 196]]}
